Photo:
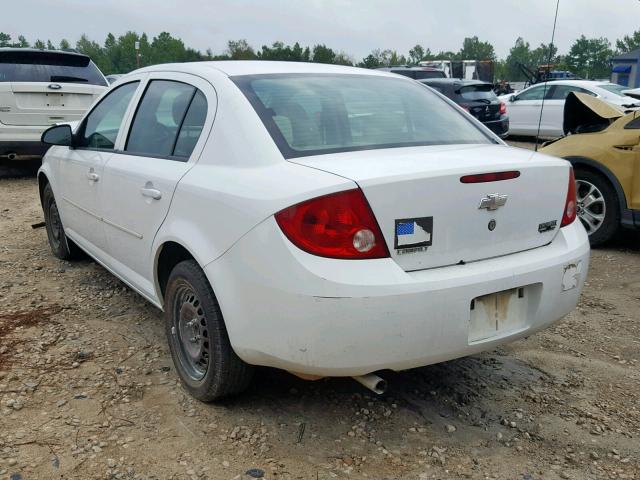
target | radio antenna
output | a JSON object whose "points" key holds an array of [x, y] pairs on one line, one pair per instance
{"points": [[546, 80]]}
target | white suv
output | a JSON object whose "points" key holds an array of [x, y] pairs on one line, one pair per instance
{"points": [[39, 88], [326, 220]]}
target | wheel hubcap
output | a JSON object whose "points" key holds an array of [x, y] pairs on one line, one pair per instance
{"points": [[192, 334], [591, 208], [56, 224]]}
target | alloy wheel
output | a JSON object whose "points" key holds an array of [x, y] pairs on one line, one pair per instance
{"points": [[591, 208]]}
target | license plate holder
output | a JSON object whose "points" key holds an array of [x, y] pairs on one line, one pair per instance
{"points": [[498, 313], [54, 99]]}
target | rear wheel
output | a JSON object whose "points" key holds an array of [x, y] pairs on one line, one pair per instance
{"points": [[598, 207], [204, 359], [61, 246]]}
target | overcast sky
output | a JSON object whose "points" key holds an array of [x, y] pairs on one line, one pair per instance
{"points": [[353, 26]]}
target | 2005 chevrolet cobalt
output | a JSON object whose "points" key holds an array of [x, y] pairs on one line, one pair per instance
{"points": [[326, 220]]}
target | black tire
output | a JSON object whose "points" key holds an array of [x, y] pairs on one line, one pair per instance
{"points": [[61, 246], [202, 354], [605, 195]]}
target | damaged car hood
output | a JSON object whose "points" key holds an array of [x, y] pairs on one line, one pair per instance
{"points": [[585, 113]]}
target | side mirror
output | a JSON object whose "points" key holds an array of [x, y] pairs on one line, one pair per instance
{"points": [[58, 135], [512, 98]]}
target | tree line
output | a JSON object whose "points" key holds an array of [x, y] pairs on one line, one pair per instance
{"points": [[587, 57]]}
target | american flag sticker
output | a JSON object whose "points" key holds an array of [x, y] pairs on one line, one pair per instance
{"points": [[413, 232]]}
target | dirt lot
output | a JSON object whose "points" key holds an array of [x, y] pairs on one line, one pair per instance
{"points": [[88, 390]]}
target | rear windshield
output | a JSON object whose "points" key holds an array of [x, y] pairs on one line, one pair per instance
{"points": [[48, 67], [477, 92], [419, 74], [312, 114], [614, 88]]}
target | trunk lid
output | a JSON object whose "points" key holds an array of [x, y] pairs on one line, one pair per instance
{"points": [[485, 112], [429, 218], [37, 103]]}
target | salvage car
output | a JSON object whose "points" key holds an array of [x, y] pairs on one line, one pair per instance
{"points": [[524, 107], [477, 98], [321, 219], [603, 145], [39, 88]]}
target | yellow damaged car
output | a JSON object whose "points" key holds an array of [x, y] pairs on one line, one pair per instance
{"points": [[603, 144]]}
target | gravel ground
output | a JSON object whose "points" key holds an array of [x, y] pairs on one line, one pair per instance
{"points": [[88, 390]]}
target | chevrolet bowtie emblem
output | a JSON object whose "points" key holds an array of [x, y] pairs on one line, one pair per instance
{"points": [[493, 201]]}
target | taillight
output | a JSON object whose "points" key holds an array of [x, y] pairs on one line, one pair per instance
{"points": [[569, 214], [338, 225], [503, 108]]}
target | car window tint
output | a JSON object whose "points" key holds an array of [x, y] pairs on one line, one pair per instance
{"points": [[560, 92], [159, 115], [308, 114], [535, 93], [45, 66], [191, 126], [478, 92], [101, 126], [633, 124]]}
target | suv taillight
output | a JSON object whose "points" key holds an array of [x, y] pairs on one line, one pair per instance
{"points": [[569, 214], [338, 225], [503, 108]]}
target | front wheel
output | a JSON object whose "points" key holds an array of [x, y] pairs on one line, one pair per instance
{"points": [[204, 359], [597, 207]]}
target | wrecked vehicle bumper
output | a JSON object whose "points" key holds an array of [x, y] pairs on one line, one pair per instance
{"points": [[287, 309]]}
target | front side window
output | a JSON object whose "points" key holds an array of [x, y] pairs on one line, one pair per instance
{"points": [[168, 121], [534, 93], [100, 128], [312, 114]]}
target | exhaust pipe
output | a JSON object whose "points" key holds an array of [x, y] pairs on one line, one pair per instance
{"points": [[372, 382], [12, 155]]}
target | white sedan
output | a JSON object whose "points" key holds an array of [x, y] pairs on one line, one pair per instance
{"points": [[524, 107], [326, 220]]}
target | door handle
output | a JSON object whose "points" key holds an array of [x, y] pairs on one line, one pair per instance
{"points": [[94, 177], [151, 193]]}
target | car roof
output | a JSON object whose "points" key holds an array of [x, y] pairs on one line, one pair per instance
{"points": [[453, 81], [39, 50], [263, 67], [408, 67], [575, 83]]}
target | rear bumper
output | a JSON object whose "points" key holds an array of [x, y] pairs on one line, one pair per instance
{"points": [[499, 127], [22, 150], [23, 140], [287, 309]]}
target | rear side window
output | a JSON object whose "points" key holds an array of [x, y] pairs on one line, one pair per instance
{"points": [[49, 67], [191, 126], [100, 129], [168, 121], [633, 124], [311, 114], [560, 92], [477, 92]]}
